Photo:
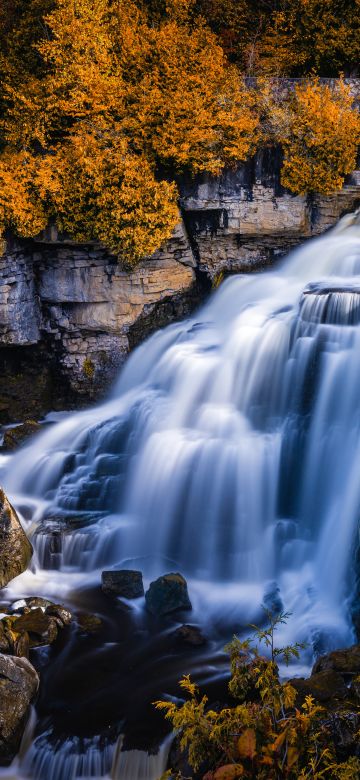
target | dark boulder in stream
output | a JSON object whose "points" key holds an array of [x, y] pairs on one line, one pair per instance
{"points": [[15, 548], [190, 635], [123, 582], [167, 594], [19, 683]]}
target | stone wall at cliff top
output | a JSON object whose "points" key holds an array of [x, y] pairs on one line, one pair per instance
{"points": [[69, 313]]}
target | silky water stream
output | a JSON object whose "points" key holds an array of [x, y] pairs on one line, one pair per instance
{"points": [[229, 450]]}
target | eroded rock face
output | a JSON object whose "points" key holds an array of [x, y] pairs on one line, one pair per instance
{"points": [[19, 683], [15, 548]]}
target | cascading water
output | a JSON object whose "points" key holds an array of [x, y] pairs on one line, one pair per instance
{"points": [[229, 450]]}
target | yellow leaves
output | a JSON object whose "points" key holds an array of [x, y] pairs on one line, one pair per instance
{"points": [[229, 772], [188, 686], [118, 96], [292, 757], [246, 744], [289, 695], [279, 741]]}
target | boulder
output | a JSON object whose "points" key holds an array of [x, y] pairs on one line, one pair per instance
{"points": [[190, 635], [326, 687], [61, 614], [15, 548], [19, 683], [343, 726], [123, 582], [18, 435], [88, 624], [345, 661], [41, 628], [32, 622], [167, 594]]}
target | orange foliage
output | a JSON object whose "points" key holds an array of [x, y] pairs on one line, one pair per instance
{"points": [[109, 100], [320, 134], [319, 36], [120, 97]]}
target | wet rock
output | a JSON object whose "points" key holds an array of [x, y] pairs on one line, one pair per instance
{"points": [[15, 437], [190, 635], [32, 622], [21, 645], [61, 614], [18, 686], [35, 601], [345, 662], [344, 730], [325, 686], [15, 548], [124, 582], [167, 594], [42, 628], [88, 624], [4, 641]]}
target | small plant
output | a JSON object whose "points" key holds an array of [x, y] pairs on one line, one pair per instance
{"points": [[88, 368], [264, 735]]}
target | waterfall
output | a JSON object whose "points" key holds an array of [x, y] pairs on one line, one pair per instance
{"points": [[228, 450], [89, 759]]}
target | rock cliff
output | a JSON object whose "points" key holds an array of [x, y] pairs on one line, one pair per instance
{"points": [[70, 313]]}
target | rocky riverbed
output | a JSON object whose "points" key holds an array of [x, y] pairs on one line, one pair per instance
{"points": [[93, 666]]}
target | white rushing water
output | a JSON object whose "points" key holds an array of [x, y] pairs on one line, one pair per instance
{"points": [[229, 450]]}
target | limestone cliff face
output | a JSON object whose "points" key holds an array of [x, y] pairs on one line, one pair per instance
{"points": [[69, 313]]}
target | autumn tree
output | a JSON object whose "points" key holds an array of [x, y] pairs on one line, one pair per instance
{"points": [[312, 36], [122, 99], [319, 130]]}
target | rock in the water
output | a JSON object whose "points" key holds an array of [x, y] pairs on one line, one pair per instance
{"points": [[325, 686], [124, 582], [167, 594], [42, 628], [15, 548], [190, 635], [18, 685], [33, 622], [14, 437], [344, 661], [88, 624], [62, 615]]}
